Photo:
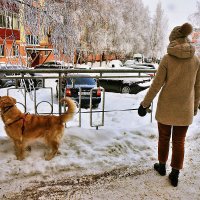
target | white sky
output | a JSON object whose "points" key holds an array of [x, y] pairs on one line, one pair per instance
{"points": [[177, 11]]}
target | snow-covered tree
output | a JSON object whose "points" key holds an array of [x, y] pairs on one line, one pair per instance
{"points": [[130, 27], [94, 25], [157, 32], [195, 17]]}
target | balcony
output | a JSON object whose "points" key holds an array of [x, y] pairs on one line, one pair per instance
{"points": [[10, 34]]}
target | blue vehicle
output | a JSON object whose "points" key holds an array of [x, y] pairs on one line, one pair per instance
{"points": [[75, 86]]}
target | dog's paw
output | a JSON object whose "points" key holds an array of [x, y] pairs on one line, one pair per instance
{"points": [[28, 148], [58, 153], [20, 158], [48, 157]]}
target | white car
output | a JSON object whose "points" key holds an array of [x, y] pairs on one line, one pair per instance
{"points": [[54, 65], [115, 64], [130, 63]]}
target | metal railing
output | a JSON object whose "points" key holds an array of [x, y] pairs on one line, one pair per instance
{"points": [[59, 74]]}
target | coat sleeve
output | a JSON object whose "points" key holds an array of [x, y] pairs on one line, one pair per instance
{"points": [[197, 91], [158, 82]]}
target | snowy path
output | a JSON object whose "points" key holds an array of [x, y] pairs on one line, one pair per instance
{"points": [[130, 183]]}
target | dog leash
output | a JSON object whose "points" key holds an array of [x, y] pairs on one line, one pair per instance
{"points": [[106, 111], [23, 122], [96, 111]]}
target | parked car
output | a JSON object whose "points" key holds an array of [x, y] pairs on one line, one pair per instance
{"points": [[54, 65], [138, 57], [148, 60], [129, 86], [30, 84], [71, 87], [129, 63], [4, 83], [145, 66], [133, 65], [115, 64]]}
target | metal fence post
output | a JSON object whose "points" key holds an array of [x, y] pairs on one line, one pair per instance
{"points": [[59, 94]]}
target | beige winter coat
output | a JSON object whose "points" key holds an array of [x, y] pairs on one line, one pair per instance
{"points": [[179, 77]]}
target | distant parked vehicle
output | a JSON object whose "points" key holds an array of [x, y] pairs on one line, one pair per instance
{"points": [[145, 66], [138, 57], [115, 64], [83, 85], [29, 84], [124, 86], [128, 85], [148, 60], [129, 63], [133, 65], [4, 83], [53, 65]]}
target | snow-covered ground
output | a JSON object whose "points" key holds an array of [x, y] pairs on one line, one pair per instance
{"points": [[115, 160], [123, 140]]}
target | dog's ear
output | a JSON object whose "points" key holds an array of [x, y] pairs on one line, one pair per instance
{"points": [[1, 102], [13, 100]]}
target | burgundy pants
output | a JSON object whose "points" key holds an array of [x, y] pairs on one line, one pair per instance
{"points": [[178, 140]]}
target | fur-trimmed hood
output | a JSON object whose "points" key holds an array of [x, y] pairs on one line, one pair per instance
{"points": [[181, 48]]}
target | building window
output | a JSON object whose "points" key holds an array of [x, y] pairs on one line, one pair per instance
{"points": [[15, 21], [1, 50], [9, 20], [32, 40], [2, 19], [16, 50]]}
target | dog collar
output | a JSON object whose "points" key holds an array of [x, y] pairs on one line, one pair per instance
{"points": [[7, 109]]}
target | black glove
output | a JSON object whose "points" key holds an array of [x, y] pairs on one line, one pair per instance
{"points": [[142, 111]]}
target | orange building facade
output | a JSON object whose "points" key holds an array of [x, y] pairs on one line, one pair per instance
{"points": [[196, 40], [9, 32], [18, 46]]}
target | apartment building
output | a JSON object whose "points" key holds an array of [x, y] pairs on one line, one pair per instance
{"points": [[9, 33], [196, 40], [17, 44]]}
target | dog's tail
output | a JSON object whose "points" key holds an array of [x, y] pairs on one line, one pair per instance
{"points": [[67, 116]]}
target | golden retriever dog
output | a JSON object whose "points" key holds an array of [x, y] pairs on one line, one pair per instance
{"points": [[23, 129]]}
